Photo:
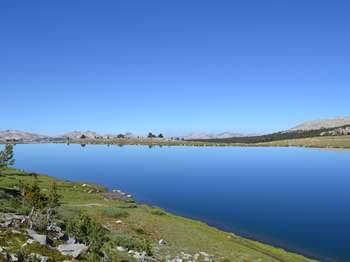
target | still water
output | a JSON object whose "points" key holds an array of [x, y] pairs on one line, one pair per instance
{"points": [[294, 198]]}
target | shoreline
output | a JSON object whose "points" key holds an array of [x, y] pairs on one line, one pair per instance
{"points": [[94, 201], [324, 142]]}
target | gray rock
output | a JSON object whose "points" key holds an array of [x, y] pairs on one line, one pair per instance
{"points": [[13, 257], [56, 231], [6, 224], [71, 240], [122, 249], [42, 239], [38, 256], [162, 242], [74, 250]]}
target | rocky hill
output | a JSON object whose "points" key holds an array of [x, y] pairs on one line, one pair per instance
{"points": [[222, 135], [78, 134], [20, 136], [322, 124]]}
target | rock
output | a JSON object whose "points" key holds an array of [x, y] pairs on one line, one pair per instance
{"points": [[55, 231], [30, 241], [84, 185], [122, 249], [42, 239], [13, 257], [162, 242], [204, 254], [140, 256], [38, 256], [119, 222], [6, 224], [11, 220], [71, 240], [74, 250], [129, 196]]}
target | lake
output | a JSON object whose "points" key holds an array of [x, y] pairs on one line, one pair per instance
{"points": [[294, 198]]}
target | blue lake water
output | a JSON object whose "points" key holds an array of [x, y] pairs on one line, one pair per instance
{"points": [[295, 198]]}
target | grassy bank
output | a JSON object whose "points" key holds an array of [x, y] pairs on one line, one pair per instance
{"points": [[134, 223], [315, 142]]}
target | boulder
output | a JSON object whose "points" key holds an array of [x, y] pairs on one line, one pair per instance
{"points": [[122, 249], [55, 231], [162, 242], [38, 256], [13, 257], [42, 239], [71, 240], [74, 250]]}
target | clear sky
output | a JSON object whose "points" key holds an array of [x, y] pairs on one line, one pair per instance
{"points": [[172, 66]]}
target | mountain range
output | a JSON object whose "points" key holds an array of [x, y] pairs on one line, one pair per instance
{"points": [[306, 126]]}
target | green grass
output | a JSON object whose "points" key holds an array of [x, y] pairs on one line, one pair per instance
{"points": [[115, 212], [144, 226], [341, 142]]}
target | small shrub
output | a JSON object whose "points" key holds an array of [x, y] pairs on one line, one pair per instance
{"points": [[158, 211], [115, 212], [130, 205], [88, 231], [127, 242]]}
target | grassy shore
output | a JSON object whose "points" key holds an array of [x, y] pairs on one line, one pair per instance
{"points": [[141, 222], [315, 142]]}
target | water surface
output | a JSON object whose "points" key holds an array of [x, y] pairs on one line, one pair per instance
{"points": [[295, 198]]}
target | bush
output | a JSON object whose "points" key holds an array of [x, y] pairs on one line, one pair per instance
{"points": [[133, 243], [115, 212], [158, 211], [88, 231], [127, 242]]}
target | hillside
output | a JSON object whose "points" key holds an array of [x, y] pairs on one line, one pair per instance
{"points": [[19, 135], [322, 124], [329, 127]]}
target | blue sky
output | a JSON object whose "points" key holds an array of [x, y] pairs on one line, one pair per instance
{"points": [[172, 66]]}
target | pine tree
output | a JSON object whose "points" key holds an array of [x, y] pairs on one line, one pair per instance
{"points": [[6, 157]]}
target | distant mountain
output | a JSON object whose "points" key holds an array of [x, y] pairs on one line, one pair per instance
{"points": [[93, 135], [20, 135], [321, 124], [192, 136], [78, 134]]}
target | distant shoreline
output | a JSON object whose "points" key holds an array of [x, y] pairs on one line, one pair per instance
{"points": [[323, 142]]}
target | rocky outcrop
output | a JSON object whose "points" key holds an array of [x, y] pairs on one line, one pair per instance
{"points": [[74, 250], [321, 124], [12, 220], [42, 239], [342, 131], [19, 136]]}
